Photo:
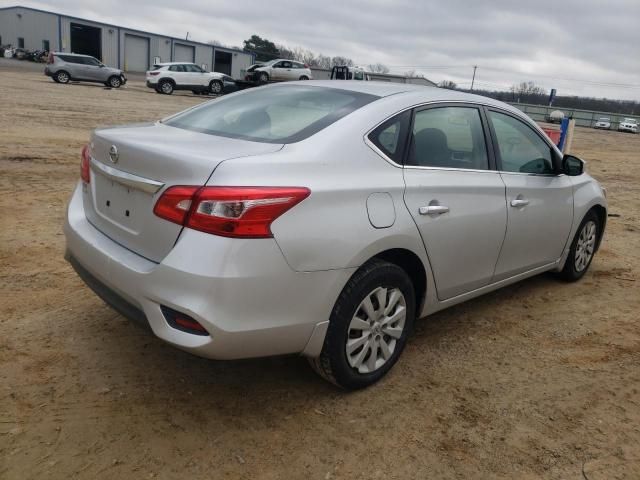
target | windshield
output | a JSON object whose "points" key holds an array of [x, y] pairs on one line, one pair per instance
{"points": [[284, 114], [603, 119]]}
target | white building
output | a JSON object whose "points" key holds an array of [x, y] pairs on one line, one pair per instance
{"points": [[126, 48]]}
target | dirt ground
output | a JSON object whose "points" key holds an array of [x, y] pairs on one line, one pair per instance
{"points": [[538, 380]]}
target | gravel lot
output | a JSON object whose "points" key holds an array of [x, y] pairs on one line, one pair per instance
{"points": [[538, 380]]}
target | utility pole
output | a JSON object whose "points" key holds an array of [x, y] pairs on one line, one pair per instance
{"points": [[187, 37], [474, 76]]}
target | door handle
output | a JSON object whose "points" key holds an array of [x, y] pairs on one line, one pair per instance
{"points": [[433, 210], [519, 202]]}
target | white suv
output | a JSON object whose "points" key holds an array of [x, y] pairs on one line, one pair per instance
{"points": [[167, 77], [279, 70], [628, 125]]}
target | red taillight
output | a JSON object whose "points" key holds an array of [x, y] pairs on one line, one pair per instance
{"points": [[85, 165], [175, 203], [50, 58], [153, 74], [246, 212], [306, 65]]}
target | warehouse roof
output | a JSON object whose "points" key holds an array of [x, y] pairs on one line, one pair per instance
{"points": [[180, 40]]}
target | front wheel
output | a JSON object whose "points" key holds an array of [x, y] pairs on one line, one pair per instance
{"points": [[368, 327], [582, 248], [114, 81], [304, 77], [264, 77], [62, 77], [215, 87]]}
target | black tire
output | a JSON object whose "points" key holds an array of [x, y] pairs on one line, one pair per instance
{"points": [[62, 77], [264, 77], [304, 77], [114, 81], [166, 87], [570, 272], [216, 87], [333, 364]]}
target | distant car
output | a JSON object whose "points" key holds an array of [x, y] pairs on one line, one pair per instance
{"points": [[628, 125], [279, 70], [167, 77], [65, 67], [603, 123]]}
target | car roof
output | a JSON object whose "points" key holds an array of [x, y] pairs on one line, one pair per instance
{"points": [[385, 89], [164, 64], [72, 54]]}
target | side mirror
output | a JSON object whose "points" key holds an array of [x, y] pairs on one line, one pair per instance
{"points": [[572, 166]]}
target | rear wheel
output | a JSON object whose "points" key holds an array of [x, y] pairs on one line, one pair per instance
{"points": [[304, 77], [369, 326], [582, 248], [62, 77], [215, 87], [166, 87], [114, 81]]}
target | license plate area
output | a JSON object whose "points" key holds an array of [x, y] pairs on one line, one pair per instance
{"points": [[121, 205]]}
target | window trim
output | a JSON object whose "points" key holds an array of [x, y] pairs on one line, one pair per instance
{"points": [[489, 144], [552, 148]]}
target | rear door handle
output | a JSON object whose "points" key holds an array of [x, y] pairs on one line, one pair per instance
{"points": [[433, 210], [519, 202]]}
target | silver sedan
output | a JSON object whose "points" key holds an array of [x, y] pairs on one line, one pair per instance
{"points": [[322, 218]]}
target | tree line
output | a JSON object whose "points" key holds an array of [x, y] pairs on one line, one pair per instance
{"points": [[529, 92]]}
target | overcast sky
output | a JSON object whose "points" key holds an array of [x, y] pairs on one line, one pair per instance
{"points": [[583, 47]]}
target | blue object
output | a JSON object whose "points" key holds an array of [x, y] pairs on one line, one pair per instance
{"points": [[564, 126]]}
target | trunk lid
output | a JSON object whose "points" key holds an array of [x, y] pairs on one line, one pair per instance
{"points": [[130, 168]]}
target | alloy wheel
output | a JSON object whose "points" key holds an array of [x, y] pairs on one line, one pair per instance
{"points": [[375, 329], [585, 246]]}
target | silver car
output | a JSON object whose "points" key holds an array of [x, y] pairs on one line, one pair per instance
{"points": [[65, 67], [322, 218]]}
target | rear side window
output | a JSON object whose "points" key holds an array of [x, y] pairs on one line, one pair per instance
{"points": [[390, 137], [176, 68], [284, 114], [448, 137]]}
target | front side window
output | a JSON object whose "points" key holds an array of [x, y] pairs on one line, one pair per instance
{"points": [[284, 114], [176, 68], [91, 61], [192, 69], [521, 149], [448, 137]]}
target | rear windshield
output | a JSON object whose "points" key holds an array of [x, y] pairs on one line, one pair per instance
{"points": [[284, 114]]}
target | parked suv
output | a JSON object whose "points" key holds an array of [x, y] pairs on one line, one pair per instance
{"points": [[167, 77], [279, 70], [603, 123], [64, 67], [628, 125]]}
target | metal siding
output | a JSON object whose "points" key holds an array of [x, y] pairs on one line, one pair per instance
{"points": [[204, 54], [136, 53], [183, 52], [34, 27], [239, 63], [163, 50]]}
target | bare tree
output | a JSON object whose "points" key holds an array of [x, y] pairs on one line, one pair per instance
{"points": [[378, 68], [339, 61], [448, 84], [528, 88]]}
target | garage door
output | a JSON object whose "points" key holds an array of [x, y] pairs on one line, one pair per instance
{"points": [[183, 53], [136, 53]]}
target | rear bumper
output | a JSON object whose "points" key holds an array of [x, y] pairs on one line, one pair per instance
{"points": [[242, 291]]}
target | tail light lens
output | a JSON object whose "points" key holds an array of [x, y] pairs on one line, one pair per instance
{"points": [[239, 212], [50, 58], [84, 165], [153, 74], [306, 65]]}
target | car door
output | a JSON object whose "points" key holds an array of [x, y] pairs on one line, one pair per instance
{"points": [[277, 71], [539, 200], [178, 74], [455, 196], [95, 70], [194, 75]]}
